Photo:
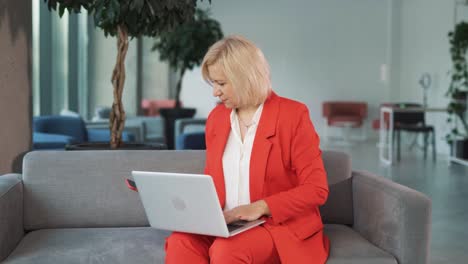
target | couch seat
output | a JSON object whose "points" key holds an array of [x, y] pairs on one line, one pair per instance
{"points": [[348, 247], [91, 245], [146, 245]]}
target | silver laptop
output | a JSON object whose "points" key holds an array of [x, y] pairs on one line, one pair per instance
{"points": [[185, 203]]}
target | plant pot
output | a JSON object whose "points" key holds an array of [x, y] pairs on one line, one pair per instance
{"points": [[170, 116], [461, 148], [106, 146]]}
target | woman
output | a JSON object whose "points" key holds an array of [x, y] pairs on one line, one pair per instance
{"points": [[263, 154]]}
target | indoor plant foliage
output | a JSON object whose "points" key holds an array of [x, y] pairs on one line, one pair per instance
{"points": [[126, 19], [458, 88], [185, 46]]}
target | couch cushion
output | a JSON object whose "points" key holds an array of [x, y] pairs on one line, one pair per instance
{"points": [[86, 188], [348, 247], [146, 245], [94, 245], [339, 206]]}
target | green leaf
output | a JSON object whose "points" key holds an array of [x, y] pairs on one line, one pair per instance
{"points": [[61, 9]]}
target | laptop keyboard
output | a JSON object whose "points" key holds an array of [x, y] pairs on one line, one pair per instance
{"points": [[236, 225]]}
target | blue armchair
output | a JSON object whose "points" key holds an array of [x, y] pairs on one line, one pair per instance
{"points": [[54, 132], [191, 140], [190, 133]]}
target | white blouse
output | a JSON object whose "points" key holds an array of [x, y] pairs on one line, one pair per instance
{"points": [[236, 161]]}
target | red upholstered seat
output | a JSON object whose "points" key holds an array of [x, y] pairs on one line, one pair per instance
{"points": [[346, 115], [344, 111], [376, 124], [151, 107]]}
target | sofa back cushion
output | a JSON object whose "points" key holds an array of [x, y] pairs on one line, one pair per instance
{"points": [[87, 188], [339, 206]]}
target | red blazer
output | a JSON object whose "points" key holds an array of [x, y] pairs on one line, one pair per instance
{"points": [[286, 170]]}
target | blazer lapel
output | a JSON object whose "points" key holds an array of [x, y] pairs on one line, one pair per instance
{"points": [[262, 145], [219, 143]]}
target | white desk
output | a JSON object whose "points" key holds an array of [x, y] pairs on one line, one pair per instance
{"points": [[386, 133]]}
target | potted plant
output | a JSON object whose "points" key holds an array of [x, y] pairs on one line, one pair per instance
{"points": [[184, 48], [128, 19], [458, 90]]}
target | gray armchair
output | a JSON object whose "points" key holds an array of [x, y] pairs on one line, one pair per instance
{"points": [[11, 218], [363, 207], [73, 207]]}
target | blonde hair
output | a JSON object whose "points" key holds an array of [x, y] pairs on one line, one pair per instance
{"points": [[245, 68]]}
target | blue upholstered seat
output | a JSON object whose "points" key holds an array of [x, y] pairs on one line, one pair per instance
{"points": [[191, 140], [54, 132]]}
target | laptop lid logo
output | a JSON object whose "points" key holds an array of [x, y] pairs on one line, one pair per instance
{"points": [[178, 204]]}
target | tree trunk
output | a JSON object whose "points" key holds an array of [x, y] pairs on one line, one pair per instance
{"points": [[117, 115], [178, 88]]}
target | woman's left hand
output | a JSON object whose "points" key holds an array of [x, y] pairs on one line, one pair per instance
{"points": [[249, 212]]}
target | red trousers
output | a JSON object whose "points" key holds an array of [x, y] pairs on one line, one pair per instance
{"points": [[252, 246]]}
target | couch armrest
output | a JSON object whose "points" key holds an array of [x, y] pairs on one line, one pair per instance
{"points": [[393, 217], [11, 213]]}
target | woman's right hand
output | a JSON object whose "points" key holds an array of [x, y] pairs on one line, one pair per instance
{"points": [[249, 212]]}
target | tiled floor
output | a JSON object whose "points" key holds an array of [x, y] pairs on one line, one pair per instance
{"points": [[446, 185]]}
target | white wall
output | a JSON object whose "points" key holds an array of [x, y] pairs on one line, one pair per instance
{"points": [[102, 54], [155, 73], [424, 47], [318, 50]]}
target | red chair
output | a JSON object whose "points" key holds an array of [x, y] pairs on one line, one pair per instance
{"points": [[376, 122], [151, 107], [345, 114]]}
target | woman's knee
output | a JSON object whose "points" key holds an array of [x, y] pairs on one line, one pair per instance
{"points": [[187, 248], [193, 242], [179, 240], [224, 251]]}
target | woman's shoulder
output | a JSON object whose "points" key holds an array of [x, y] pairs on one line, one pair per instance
{"points": [[217, 114]]}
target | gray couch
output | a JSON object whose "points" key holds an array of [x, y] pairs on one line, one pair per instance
{"points": [[73, 207]]}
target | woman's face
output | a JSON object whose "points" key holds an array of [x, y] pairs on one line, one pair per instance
{"points": [[221, 87]]}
